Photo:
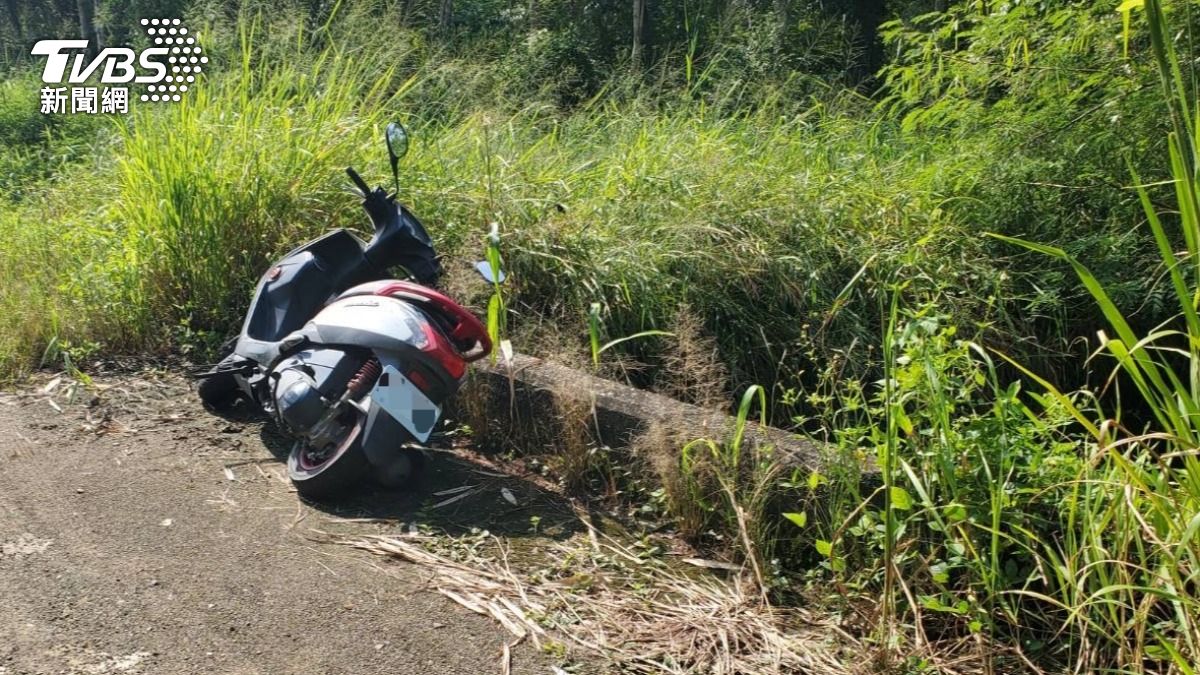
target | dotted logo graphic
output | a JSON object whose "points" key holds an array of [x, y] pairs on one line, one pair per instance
{"points": [[185, 59]]}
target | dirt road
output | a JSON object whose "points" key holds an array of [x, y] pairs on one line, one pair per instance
{"points": [[141, 534]]}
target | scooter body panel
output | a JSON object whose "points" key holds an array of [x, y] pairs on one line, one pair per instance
{"points": [[384, 433], [296, 287], [342, 336], [371, 322]]}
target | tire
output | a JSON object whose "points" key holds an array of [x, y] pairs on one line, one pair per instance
{"points": [[335, 475], [403, 472], [218, 392]]}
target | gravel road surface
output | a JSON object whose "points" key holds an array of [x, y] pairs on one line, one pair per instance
{"points": [[142, 534]]}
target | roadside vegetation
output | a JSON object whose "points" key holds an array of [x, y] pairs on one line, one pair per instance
{"points": [[957, 241]]}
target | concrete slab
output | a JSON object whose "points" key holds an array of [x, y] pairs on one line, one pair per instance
{"points": [[528, 405]]}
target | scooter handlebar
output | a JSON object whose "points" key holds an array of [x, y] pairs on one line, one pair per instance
{"points": [[358, 181]]}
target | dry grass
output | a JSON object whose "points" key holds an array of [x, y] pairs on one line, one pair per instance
{"points": [[660, 447], [573, 455], [646, 619], [710, 626], [693, 370], [556, 428]]}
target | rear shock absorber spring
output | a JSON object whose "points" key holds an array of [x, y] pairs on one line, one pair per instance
{"points": [[365, 378]]}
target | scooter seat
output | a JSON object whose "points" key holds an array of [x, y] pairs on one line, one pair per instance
{"points": [[369, 288]]}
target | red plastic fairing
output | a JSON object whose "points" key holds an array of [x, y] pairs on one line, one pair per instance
{"points": [[442, 352], [467, 334]]}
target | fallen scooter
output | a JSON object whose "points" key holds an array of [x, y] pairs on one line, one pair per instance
{"points": [[350, 362]]}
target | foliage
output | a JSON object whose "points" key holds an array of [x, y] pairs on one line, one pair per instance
{"points": [[974, 476], [777, 206], [1049, 87], [731, 484], [1037, 520]]}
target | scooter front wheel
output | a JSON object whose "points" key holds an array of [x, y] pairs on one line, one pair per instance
{"points": [[218, 391], [330, 473]]}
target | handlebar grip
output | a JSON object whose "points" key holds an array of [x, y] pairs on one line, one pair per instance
{"points": [[358, 181]]}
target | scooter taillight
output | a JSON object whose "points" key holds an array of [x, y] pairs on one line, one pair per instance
{"points": [[418, 378], [466, 335], [443, 352]]}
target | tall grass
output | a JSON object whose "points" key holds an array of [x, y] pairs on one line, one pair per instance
{"points": [[779, 221], [731, 482], [1130, 559], [240, 169], [1024, 529], [157, 243], [756, 219]]}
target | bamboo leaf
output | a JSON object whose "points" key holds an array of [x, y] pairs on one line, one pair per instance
{"points": [[645, 333], [739, 430], [1125, 8], [800, 519]]}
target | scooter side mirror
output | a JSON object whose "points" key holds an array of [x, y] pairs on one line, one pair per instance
{"points": [[397, 141], [485, 270], [396, 137]]}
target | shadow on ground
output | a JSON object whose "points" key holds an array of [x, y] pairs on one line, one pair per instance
{"points": [[457, 491]]}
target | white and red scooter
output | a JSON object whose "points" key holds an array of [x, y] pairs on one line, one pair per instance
{"points": [[352, 363]]}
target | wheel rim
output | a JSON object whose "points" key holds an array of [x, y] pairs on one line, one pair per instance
{"points": [[310, 461]]}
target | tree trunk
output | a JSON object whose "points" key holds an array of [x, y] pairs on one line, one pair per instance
{"points": [[446, 15], [639, 25], [101, 38], [87, 24], [14, 17], [868, 15], [783, 17]]}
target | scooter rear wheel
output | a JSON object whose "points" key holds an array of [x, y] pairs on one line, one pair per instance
{"points": [[332, 474], [403, 471]]}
